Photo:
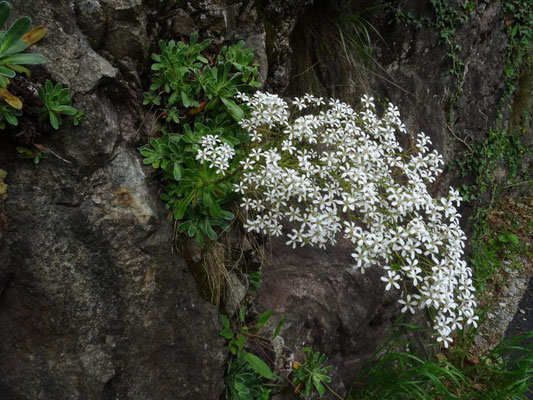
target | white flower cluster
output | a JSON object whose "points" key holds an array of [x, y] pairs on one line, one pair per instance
{"points": [[216, 153], [339, 171]]}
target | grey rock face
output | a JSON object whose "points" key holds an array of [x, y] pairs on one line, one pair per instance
{"points": [[94, 304], [327, 306]]}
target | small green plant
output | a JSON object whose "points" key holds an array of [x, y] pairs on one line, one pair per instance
{"points": [[256, 281], [36, 155], [504, 238], [243, 382], [247, 376], [356, 31], [12, 43], [9, 114], [507, 372], [395, 372], [311, 374], [56, 101], [196, 100], [490, 254]]}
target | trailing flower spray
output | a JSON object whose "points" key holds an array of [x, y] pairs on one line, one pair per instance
{"points": [[332, 171]]}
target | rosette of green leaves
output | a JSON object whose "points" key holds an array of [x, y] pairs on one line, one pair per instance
{"points": [[196, 98], [11, 46], [247, 375], [311, 373], [12, 43], [176, 68], [243, 383], [242, 60], [56, 101], [220, 87]]}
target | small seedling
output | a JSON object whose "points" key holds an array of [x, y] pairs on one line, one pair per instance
{"points": [[37, 155], [311, 373], [57, 101]]}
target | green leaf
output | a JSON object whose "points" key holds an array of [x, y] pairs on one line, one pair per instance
{"points": [[17, 30], [185, 99], [173, 97], [240, 342], [259, 366], [278, 327], [152, 160], [207, 199], [263, 318], [512, 238], [11, 119], [211, 234], [503, 238], [180, 210], [3, 81], [226, 332], [226, 215], [65, 110], [224, 320], [48, 86], [214, 209], [5, 9], [193, 230], [176, 172], [147, 152], [319, 387], [79, 117], [26, 58], [234, 110], [155, 143], [241, 313], [53, 119], [24, 152], [184, 226], [20, 45], [7, 72]]}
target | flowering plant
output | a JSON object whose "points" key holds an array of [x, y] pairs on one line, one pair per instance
{"points": [[336, 172], [195, 104]]}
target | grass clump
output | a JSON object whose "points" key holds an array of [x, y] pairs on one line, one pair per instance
{"points": [[394, 372]]}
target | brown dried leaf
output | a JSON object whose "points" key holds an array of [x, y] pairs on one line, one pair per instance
{"points": [[11, 99], [34, 35]]}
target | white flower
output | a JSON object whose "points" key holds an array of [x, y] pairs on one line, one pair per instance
{"points": [[215, 153], [391, 280], [409, 303], [340, 172], [444, 339]]}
